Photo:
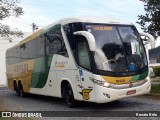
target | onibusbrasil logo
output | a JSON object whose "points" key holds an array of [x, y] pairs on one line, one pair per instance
{"points": [[20, 114]]}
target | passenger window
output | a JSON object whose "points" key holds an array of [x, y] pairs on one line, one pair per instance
{"points": [[16, 55], [31, 49], [41, 46], [55, 43], [83, 53], [23, 52], [54, 46]]}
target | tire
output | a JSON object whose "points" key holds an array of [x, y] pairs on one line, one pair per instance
{"points": [[14, 86], [21, 92], [16, 89], [17, 92], [69, 97]]}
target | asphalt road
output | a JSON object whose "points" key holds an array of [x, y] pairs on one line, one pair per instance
{"points": [[9, 101]]}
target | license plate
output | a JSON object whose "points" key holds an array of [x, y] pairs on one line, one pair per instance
{"points": [[131, 92]]}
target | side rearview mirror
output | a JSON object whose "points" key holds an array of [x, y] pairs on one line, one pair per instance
{"points": [[150, 39], [90, 38]]}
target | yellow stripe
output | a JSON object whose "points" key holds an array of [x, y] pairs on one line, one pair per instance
{"points": [[60, 66], [31, 37], [117, 80]]}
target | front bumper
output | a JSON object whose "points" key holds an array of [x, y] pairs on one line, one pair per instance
{"points": [[104, 94]]}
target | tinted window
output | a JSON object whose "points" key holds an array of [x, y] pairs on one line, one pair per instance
{"points": [[48, 44], [69, 30], [83, 53], [41, 46], [16, 55], [53, 47], [55, 43], [31, 49], [23, 50]]}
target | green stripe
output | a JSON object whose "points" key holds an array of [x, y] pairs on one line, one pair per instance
{"points": [[143, 75], [40, 72], [139, 77], [55, 27], [135, 78], [42, 66]]}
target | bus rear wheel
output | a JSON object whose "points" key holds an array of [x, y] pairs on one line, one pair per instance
{"points": [[16, 89], [21, 92], [69, 97], [17, 92]]}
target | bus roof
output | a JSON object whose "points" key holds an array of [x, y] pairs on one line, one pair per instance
{"points": [[92, 19], [105, 20]]}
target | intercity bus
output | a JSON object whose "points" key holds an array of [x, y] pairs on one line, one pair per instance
{"points": [[92, 59]]}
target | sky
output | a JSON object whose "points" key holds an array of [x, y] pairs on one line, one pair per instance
{"points": [[44, 12]]}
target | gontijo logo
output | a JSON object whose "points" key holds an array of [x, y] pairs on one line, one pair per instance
{"points": [[85, 93]]}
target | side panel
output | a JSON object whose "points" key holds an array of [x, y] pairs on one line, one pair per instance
{"points": [[51, 86], [20, 71], [33, 72], [60, 70]]}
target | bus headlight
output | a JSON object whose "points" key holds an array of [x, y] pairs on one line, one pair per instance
{"points": [[147, 78], [100, 82], [107, 84]]}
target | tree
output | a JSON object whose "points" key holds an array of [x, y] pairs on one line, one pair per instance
{"points": [[150, 22], [9, 8]]}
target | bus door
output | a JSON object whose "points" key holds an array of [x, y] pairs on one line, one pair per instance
{"points": [[85, 85]]}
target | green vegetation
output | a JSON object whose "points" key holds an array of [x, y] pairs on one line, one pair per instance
{"points": [[156, 71], [155, 89], [9, 8], [150, 21], [154, 54]]}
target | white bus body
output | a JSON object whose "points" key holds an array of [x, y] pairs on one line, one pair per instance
{"points": [[74, 60]]}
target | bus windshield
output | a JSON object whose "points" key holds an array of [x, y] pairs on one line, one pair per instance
{"points": [[118, 48]]}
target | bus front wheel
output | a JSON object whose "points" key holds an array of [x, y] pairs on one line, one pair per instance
{"points": [[69, 97]]}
